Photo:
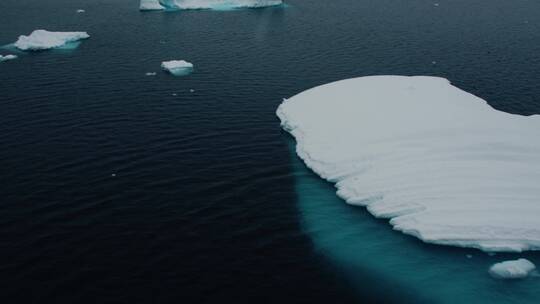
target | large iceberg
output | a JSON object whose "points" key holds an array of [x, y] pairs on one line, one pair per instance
{"points": [[206, 4], [44, 40], [439, 162], [516, 269]]}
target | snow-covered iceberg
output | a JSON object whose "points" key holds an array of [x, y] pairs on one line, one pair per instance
{"points": [[44, 40], [177, 67], [516, 269], [7, 57], [150, 5], [439, 162], [206, 4]]}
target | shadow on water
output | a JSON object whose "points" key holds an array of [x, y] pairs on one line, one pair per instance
{"points": [[378, 260]]}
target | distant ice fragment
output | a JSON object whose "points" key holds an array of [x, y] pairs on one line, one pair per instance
{"points": [[517, 269], [439, 162], [7, 57], [150, 74], [79, 11], [43, 40], [177, 67], [206, 4], [150, 5]]}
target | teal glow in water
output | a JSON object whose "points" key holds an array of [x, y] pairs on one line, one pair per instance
{"points": [[365, 247], [69, 46], [179, 72], [11, 48]]}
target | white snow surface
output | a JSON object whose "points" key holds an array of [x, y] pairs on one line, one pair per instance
{"points": [[43, 40], [7, 57], [440, 163], [150, 5], [517, 269], [214, 4], [177, 67]]}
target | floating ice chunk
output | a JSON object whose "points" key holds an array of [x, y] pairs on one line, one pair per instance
{"points": [[217, 4], [150, 74], [516, 269], [177, 67], [80, 11], [43, 40], [150, 5], [442, 164], [7, 57]]}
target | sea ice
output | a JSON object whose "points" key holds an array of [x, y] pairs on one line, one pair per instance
{"points": [[440, 163], [79, 11], [206, 4], [7, 57], [43, 40], [516, 269], [177, 67], [150, 5]]}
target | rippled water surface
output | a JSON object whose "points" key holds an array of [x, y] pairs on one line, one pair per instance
{"points": [[117, 187]]}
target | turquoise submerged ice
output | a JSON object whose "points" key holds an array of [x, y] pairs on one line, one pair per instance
{"points": [[206, 4], [440, 163], [375, 259]]}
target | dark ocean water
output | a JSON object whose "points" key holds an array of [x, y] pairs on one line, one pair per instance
{"points": [[117, 187]]}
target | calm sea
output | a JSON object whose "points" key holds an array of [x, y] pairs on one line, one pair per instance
{"points": [[117, 187]]}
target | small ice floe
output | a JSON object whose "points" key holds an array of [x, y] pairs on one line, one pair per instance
{"points": [[469, 256], [177, 67], [435, 4], [80, 11], [113, 175], [150, 74], [7, 57], [517, 269], [174, 94], [150, 5], [191, 90], [434, 62], [44, 40]]}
